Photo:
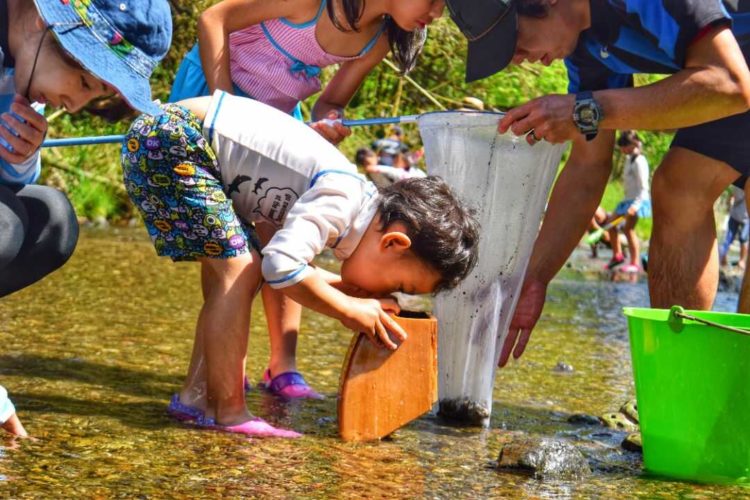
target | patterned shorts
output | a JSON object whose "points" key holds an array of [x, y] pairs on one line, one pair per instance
{"points": [[172, 176]]}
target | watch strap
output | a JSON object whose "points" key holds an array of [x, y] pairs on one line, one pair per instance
{"points": [[582, 96]]}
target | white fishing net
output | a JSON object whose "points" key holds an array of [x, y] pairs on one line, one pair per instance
{"points": [[508, 182]]}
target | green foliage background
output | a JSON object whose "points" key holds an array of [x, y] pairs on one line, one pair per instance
{"points": [[91, 174]]}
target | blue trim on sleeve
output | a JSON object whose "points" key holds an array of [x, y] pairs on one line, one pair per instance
{"points": [[288, 276], [326, 172], [213, 118]]}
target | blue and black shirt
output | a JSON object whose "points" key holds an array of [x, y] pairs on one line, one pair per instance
{"points": [[647, 36]]}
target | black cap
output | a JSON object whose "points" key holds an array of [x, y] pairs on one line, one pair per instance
{"points": [[491, 26]]}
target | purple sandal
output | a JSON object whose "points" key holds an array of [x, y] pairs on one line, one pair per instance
{"points": [[289, 385], [182, 412]]}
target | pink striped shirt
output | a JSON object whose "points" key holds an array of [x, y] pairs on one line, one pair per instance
{"points": [[278, 62]]}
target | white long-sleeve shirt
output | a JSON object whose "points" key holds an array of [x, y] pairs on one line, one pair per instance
{"points": [[635, 179], [279, 171], [26, 172]]}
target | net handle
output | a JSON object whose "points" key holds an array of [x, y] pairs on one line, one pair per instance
{"points": [[114, 139], [677, 314]]}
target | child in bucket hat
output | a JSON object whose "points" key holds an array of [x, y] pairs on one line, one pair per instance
{"points": [[63, 53]]}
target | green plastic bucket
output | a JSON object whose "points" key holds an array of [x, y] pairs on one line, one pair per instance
{"points": [[692, 383]]}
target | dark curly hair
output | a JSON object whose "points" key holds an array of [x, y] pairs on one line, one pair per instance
{"points": [[444, 232], [405, 45]]}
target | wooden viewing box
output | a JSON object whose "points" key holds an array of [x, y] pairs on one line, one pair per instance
{"points": [[383, 390]]}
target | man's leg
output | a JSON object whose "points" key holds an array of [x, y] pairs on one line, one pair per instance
{"points": [[744, 303], [683, 263]]}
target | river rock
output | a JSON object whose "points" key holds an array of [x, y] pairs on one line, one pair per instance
{"points": [[619, 421], [730, 280], [464, 410], [562, 367], [584, 419], [544, 458], [630, 410], [633, 442]]}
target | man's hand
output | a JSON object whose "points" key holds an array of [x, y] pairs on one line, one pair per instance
{"points": [[370, 316], [331, 128], [30, 131], [548, 118], [528, 311], [632, 211]]}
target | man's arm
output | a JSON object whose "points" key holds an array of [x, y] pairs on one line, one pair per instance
{"points": [[715, 83], [574, 199]]}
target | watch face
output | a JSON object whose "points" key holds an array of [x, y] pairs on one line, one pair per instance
{"points": [[587, 115]]}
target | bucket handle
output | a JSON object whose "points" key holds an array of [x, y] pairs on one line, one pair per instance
{"points": [[677, 315]]}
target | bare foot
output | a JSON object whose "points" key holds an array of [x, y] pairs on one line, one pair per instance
{"points": [[14, 426]]}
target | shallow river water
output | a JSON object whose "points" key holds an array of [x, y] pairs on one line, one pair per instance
{"points": [[92, 354]]}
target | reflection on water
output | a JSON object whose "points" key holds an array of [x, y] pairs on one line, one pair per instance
{"points": [[92, 354]]}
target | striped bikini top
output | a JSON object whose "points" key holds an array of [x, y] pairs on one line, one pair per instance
{"points": [[278, 62]]}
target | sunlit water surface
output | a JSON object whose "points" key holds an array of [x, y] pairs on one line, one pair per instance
{"points": [[92, 354]]}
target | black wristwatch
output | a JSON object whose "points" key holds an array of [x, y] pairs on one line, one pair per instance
{"points": [[587, 114]]}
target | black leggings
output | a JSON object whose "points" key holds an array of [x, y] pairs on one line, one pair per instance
{"points": [[38, 233]]}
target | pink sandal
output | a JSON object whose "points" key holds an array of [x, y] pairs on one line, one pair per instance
{"points": [[289, 385], [255, 427]]}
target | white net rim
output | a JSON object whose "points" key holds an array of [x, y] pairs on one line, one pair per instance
{"points": [[463, 119]]}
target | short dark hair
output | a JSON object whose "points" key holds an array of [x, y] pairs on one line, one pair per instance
{"points": [[628, 138], [444, 232], [362, 153]]}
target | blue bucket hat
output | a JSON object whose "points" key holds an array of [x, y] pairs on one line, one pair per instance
{"points": [[118, 41]]}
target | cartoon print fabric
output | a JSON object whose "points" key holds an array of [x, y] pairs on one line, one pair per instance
{"points": [[172, 176]]}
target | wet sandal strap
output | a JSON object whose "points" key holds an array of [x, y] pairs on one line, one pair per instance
{"points": [[279, 382]]}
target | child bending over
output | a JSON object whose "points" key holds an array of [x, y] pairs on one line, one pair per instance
{"points": [[274, 51], [210, 173]]}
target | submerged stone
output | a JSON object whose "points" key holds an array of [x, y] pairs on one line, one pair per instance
{"points": [[630, 409], [463, 410], [619, 421], [584, 419], [562, 367], [633, 442], [544, 458]]}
